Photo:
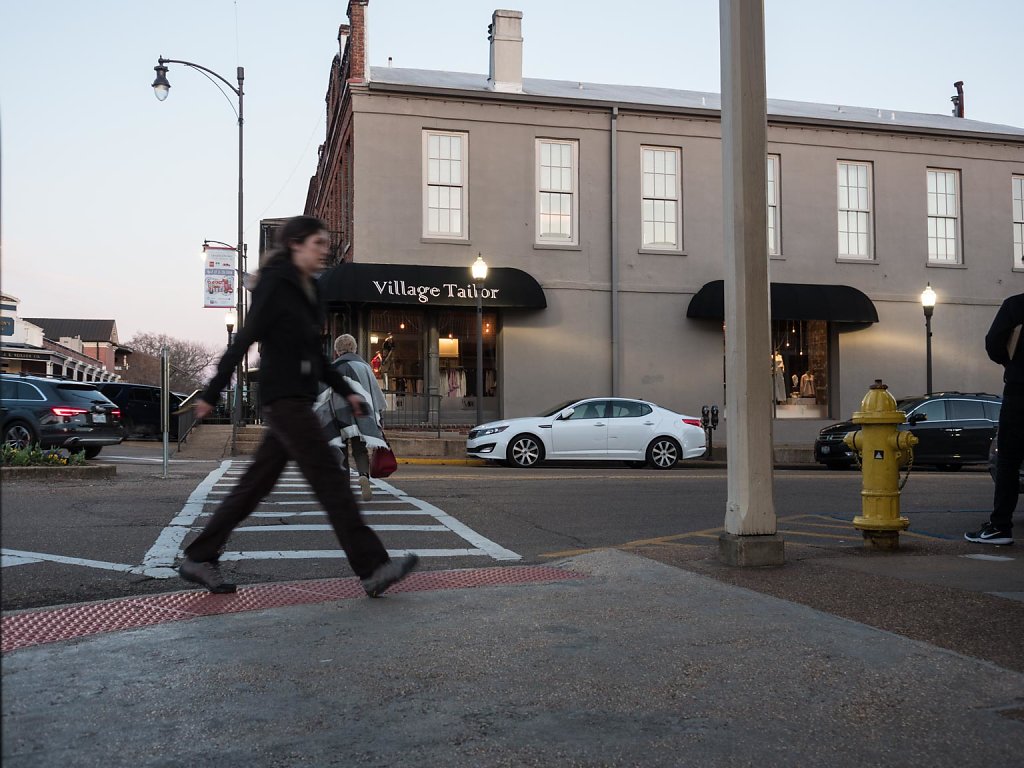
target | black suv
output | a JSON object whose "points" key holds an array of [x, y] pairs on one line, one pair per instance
{"points": [[57, 413], [140, 408], [954, 429]]}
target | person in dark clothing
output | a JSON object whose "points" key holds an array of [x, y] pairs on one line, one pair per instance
{"points": [[286, 317], [1004, 344]]}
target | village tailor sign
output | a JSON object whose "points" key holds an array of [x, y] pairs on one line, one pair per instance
{"points": [[424, 293], [364, 283]]}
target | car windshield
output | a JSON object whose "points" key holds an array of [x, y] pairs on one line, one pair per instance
{"points": [[907, 404], [557, 408]]}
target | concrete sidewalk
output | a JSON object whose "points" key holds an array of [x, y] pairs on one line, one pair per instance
{"points": [[637, 663], [654, 655]]}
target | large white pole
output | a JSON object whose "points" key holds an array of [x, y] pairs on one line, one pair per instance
{"points": [[750, 508]]}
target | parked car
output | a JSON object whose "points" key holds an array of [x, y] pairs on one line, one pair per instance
{"points": [[993, 453], [57, 413], [140, 408], [606, 428], [954, 429]]}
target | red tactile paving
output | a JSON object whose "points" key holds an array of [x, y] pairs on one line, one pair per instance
{"points": [[30, 628]]}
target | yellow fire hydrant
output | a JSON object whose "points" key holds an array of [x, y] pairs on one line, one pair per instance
{"points": [[882, 449]]}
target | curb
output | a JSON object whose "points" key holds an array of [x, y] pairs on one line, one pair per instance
{"points": [[453, 462], [88, 472]]}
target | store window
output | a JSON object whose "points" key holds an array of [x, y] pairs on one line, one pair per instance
{"points": [[800, 369], [399, 354], [457, 360], [396, 349]]}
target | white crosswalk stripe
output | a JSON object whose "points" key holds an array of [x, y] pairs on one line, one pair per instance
{"points": [[388, 501]]}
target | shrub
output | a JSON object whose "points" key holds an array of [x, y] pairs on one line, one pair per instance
{"points": [[34, 456]]}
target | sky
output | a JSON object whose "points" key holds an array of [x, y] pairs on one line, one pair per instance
{"points": [[106, 194]]}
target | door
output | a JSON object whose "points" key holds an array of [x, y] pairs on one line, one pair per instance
{"points": [[970, 431], [584, 435], [629, 429], [933, 433]]}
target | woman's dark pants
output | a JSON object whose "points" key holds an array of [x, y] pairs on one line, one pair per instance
{"points": [[294, 433]]}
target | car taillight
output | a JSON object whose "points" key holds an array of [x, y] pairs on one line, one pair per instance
{"points": [[116, 413], [692, 422], [68, 411]]}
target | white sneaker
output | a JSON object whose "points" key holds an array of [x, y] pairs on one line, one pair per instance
{"points": [[364, 484]]}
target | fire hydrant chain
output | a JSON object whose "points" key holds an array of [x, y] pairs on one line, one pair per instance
{"points": [[906, 474]]}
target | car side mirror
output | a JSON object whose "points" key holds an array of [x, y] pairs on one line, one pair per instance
{"points": [[566, 413], [918, 417]]}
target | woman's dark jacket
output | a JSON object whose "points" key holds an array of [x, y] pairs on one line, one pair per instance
{"points": [[287, 322]]}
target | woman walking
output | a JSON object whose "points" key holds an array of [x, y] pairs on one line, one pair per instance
{"points": [[286, 318]]}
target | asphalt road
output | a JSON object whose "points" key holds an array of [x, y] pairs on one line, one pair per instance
{"points": [[77, 541]]}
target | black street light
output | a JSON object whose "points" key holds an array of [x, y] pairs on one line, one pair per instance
{"points": [[479, 271], [928, 304], [162, 87]]}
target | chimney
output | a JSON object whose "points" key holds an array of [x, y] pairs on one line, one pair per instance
{"points": [[358, 61], [505, 34], [958, 100], [343, 32]]}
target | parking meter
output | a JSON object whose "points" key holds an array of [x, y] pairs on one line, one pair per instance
{"points": [[705, 417], [714, 417]]}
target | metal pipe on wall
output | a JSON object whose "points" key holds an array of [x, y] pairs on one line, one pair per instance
{"points": [[615, 347]]}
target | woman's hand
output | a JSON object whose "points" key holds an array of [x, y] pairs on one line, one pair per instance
{"points": [[202, 409], [359, 406]]}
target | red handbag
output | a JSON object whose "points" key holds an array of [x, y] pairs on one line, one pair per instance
{"points": [[383, 463]]}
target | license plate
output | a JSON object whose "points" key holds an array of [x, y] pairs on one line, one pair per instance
{"points": [[825, 449], [99, 418]]}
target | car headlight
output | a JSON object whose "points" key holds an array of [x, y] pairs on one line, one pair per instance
{"points": [[490, 431]]}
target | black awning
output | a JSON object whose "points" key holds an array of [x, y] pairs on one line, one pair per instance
{"points": [[362, 283], [793, 301]]}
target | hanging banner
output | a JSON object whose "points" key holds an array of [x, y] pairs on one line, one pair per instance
{"points": [[219, 277]]}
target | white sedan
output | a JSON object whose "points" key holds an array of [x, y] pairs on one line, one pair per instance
{"points": [[603, 428]]}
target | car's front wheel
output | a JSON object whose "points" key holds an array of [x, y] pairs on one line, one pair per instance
{"points": [[663, 453], [524, 451], [20, 435], [93, 451]]}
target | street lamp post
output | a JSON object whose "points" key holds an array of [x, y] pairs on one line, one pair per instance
{"points": [[928, 304], [229, 322], [479, 271], [161, 87]]}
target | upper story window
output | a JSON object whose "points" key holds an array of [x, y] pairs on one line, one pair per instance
{"points": [[1018, 222], [774, 222], [943, 216], [557, 192], [855, 219], [661, 196], [445, 170]]}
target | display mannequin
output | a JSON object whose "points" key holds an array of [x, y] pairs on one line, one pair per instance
{"points": [[807, 385], [779, 376], [387, 358]]}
